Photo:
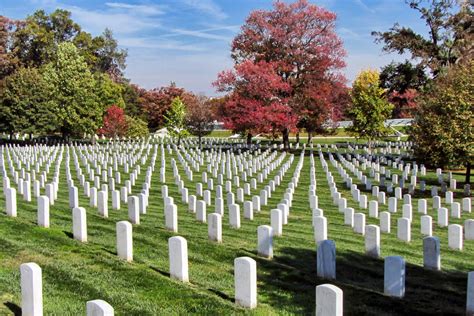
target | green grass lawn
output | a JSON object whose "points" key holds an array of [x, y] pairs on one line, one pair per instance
{"points": [[339, 135], [74, 273], [220, 133]]}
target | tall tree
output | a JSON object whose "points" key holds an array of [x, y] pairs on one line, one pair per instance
{"points": [[156, 102], [369, 108], [25, 104], [402, 82], [131, 98], [404, 103], [255, 105], [73, 90], [35, 40], [326, 106], [443, 131], [403, 76], [175, 119], [110, 59], [450, 34], [200, 118], [299, 42], [8, 62], [108, 91]]}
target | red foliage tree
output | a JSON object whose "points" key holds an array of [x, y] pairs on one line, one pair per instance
{"points": [[8, 62], [200, 117], [258, 101], [404, 103], [299, 42], [115, 124], [156, 102]]}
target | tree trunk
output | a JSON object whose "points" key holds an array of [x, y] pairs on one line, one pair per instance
{"points": [[249, 140], [64, 135], [298, 137], [179, 140], [199, 137], [468, 173], [310, 137], [286, 139]]}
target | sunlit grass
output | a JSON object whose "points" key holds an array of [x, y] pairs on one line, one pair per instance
{"points": [[74, 273]]}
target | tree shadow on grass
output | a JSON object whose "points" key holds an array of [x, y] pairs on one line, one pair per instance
{"points": [[16, 310], [290, 280]]}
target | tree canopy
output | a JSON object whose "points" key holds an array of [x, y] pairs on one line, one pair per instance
{"points": [[296, 47], [115, 122], [73, 92], [200, 118], [450, 37], [26, 103], [34, 42], [369, 108], [49, 57], [443, 131], [175, 119]]}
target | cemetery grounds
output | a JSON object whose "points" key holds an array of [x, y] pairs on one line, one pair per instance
{"points": [[75, 272]]}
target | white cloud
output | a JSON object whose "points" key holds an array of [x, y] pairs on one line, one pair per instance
{"points": [[346, 33], [208, 7], [44, 3], [218, 27], [141, 9], [199, 34], [120, 22], [361, 4], [158, 43]]}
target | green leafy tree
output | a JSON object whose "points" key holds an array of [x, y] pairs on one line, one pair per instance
{"points": [[110, 59], [443, 131], [402, 82], [136, 127], [369, 108], [175, 119], [108, 91], [400, 77], [35, 40], [73, 90], [131, 95], [25, 104], [450, 38]]}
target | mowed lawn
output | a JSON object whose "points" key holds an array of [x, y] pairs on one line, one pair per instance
{"points": [[74, 273]]}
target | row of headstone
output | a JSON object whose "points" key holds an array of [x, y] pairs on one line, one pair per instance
{"points": [[357, 220]]}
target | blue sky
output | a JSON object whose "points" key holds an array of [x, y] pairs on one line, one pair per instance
{"points": [[188, 41]]}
